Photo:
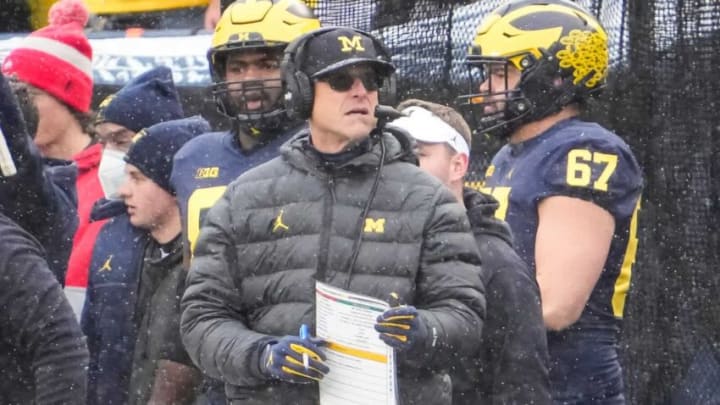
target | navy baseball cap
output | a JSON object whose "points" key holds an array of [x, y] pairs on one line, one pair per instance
{"points": [[342, 47]]}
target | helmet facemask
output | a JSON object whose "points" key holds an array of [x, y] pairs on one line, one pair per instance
{"points": [[543, 89], [493, 103], [246, 29], [255, 102]]}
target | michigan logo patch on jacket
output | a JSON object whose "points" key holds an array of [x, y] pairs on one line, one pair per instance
{"points": [[374, 225]]}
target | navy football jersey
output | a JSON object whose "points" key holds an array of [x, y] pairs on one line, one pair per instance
{"points": [[583, 160], [204, 167]]}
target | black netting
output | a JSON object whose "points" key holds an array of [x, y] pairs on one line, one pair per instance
{"points": [[662, 100], [664, 107]]}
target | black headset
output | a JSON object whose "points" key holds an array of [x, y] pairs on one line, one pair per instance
{"points": [[299, 91]]}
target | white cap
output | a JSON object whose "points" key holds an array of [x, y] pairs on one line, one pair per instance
{"points": [[425, 127]]}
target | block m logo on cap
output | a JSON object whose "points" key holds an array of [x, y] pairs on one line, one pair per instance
{"points": [[350, 45]]}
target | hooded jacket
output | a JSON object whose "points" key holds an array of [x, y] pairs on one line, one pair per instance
{"points": [[512, 364], [299, 218]]}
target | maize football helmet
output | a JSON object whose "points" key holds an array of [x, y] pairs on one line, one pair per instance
{"points": [[255, 25], [559, 49]]}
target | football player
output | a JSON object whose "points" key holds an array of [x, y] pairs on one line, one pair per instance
{"points": [[569, 189], [244, 59]]}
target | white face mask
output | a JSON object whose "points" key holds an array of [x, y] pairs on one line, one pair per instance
{"points": [[111, 172]]}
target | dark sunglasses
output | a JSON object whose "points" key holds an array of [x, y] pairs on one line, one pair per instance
{"points": [[343, 80]]}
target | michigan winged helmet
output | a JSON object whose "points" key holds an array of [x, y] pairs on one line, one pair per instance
{"points": [[560, 50], [255, 26]]}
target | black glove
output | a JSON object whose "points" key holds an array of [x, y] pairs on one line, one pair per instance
{"points": [[402, 328], [19, 143], [283, 360]]}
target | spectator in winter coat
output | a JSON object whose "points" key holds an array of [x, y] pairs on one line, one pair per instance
{"points": [[54, 64], [40, 195], [146, 100], [512, 364], [132, 310], [43, 356], [344, 204]]}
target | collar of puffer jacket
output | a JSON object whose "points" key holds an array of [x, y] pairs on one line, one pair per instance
{"points": [[300, 153]]}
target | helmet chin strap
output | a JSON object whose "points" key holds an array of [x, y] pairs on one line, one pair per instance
{"points": [[266, 120], [256, 124], [503, 123], [263, 126], [512, 120]]}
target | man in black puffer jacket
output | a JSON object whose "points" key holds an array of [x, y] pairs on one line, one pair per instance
{"points": [[344, 204]]}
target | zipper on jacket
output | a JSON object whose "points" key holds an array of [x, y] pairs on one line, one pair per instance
{"points": [[331, 186], [324, 252]]}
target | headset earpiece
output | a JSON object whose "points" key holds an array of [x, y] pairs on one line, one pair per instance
{"points": [[299, 92], [299, 96]]}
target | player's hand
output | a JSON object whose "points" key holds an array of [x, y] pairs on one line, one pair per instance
{"points": [[402, 328], [283, 360]]}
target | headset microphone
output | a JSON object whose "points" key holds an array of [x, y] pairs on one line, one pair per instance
{"points": [[385, 114]]}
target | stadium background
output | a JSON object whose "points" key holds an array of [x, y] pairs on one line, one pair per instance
{"points": [[662, 98]]}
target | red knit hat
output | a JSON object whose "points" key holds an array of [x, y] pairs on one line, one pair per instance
{"points": [[58, 58]]}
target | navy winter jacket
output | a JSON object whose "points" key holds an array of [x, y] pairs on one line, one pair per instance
{"points": [[108, 313]]}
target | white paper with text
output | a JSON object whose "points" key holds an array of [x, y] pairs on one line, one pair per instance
{"points": [[362, 367]]}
